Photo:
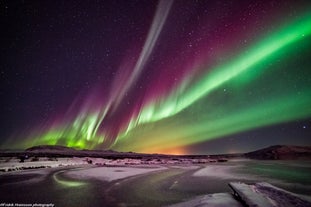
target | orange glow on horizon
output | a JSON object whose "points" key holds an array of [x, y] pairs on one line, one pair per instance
{"points": [[170, 151]]}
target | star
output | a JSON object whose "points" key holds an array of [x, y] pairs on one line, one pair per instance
{"points": [[175, 75]]}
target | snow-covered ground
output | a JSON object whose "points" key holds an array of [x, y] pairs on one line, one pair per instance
{"points": [[15, 165], [249, 195], [211, 200], [111, 173], [259, 194], [280, 197], [111, 170]]}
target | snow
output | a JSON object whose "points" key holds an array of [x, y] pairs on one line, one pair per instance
{"points": [[110, 173], [187, 167], [212, 200], [248, 195], [260, 194], [267, 195], [15, 165], [281, 197]]}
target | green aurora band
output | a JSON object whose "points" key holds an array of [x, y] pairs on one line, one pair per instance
{"points": [[279, 107], [201, 109]]}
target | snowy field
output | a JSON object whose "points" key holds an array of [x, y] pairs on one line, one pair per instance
{"points": [[13, 164], [126, 183]]}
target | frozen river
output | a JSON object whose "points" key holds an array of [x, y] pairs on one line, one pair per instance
{"points": [[146, 186]]}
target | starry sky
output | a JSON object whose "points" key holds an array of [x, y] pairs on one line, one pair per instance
{"points": [[176, 77]]}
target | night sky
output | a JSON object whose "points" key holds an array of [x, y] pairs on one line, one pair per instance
{"points": [[180, 77]]}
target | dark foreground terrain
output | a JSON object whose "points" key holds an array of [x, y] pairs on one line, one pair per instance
{"points": [[88, 185], [61, 176]]}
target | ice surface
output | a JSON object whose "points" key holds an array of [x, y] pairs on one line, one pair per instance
{"points": [[221, 171], [110, 173]]}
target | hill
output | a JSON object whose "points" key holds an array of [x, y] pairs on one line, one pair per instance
{"points": [[49, 148], [281, 152]]}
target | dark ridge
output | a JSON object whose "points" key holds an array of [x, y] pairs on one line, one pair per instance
{"points": [[281, 152], [49, 147], [276, 152]]}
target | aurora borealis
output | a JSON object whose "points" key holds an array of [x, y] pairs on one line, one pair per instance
{"points": [[157, 76]]}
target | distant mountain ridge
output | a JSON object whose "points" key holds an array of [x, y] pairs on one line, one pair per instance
{"points": [[49, 148], [67, 150], [276, 152], [281, 152]]}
